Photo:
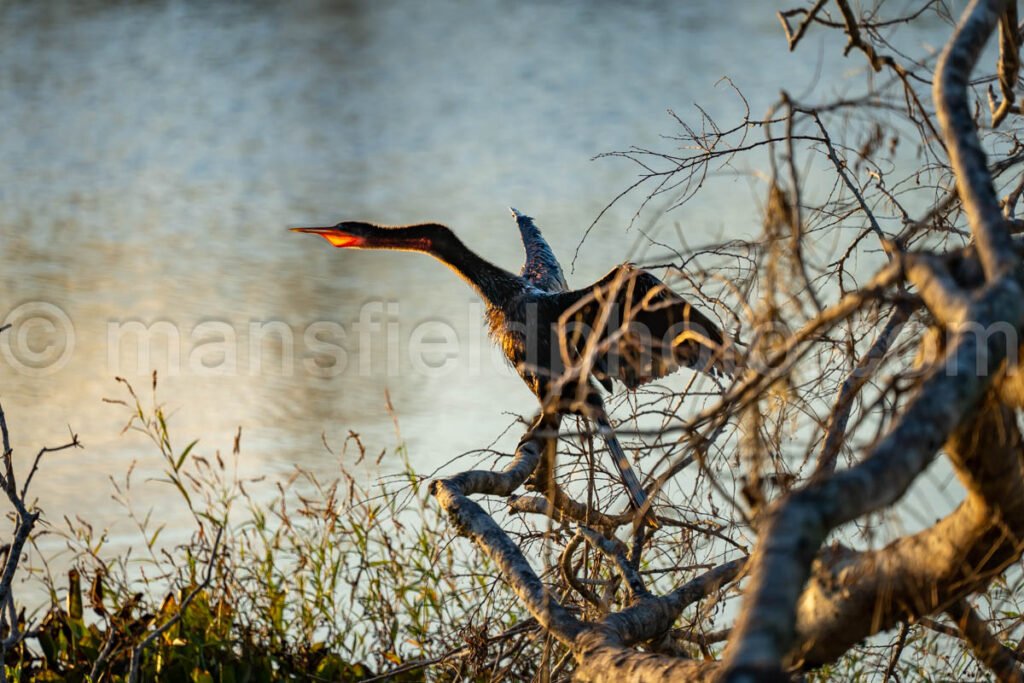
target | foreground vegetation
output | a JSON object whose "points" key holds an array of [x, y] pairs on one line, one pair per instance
{"points": [[323, 581]]}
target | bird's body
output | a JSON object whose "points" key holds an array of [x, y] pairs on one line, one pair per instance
{"points": [[563, 343]]}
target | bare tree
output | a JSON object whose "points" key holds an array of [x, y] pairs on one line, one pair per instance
{"points": [[874, 341], [25, 516]]}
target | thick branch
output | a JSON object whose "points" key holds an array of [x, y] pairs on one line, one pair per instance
{"points": [[936, 287], [603, 653], [602, 649], [571, 511], [452, 494], [854, 595], [766, 631], [973, 179]]}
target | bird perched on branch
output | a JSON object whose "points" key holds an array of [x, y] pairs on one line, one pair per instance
{"points": [[564, 343]]}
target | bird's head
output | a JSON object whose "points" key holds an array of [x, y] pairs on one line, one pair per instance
{"points": [[427, 237], [348, 234]]}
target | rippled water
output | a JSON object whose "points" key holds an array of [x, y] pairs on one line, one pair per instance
{"points": [[154, 154]]}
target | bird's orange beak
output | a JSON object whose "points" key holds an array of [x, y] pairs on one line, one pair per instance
{"points": [[337, 238]]}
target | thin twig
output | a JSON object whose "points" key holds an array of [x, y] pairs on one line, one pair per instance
{"points": [[794, 37], [851, 386], [894, 658], [986, 647]]}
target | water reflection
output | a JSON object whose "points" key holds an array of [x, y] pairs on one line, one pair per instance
{"points": [[162, 148]]}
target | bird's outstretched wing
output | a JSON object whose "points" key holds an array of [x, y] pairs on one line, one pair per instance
{"points": [[636, 329], [541, 268]]}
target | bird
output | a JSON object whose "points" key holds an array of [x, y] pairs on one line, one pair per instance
{"points": [[567, 344]]}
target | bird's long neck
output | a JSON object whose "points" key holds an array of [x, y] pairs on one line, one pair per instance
{"points": [[494, 285]]}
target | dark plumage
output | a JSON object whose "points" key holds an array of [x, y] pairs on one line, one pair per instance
{"points": [[628, 325], [541, 269]]}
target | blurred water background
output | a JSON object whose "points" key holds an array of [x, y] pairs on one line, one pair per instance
{"points": [[155, 152]]}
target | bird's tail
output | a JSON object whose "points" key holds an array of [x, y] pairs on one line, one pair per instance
{"points": [[637, 495]]}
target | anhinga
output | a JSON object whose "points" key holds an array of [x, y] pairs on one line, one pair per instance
{"points": [[628, 325]]}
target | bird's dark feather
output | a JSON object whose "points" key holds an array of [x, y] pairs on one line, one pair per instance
{"points": [[643, 331], [541, 268], [648, 331]]}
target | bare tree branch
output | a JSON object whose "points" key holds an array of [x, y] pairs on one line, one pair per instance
{"points": [[603, 653], [835, 431], [970, 167], [767, 628], [986, 647]]}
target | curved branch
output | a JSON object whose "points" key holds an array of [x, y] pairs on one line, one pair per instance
{"points": [[766, 630], [615, 550], [852, 596], [603, 653], [472, 521], [569, 573], [600, 648], [974, 182], [527, 457], [1009, 65], [937, 288]]}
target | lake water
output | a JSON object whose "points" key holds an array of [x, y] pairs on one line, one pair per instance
{"points": [[154, 154]]}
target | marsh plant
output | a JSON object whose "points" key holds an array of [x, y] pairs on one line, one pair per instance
{"points": [[294, 579]]}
